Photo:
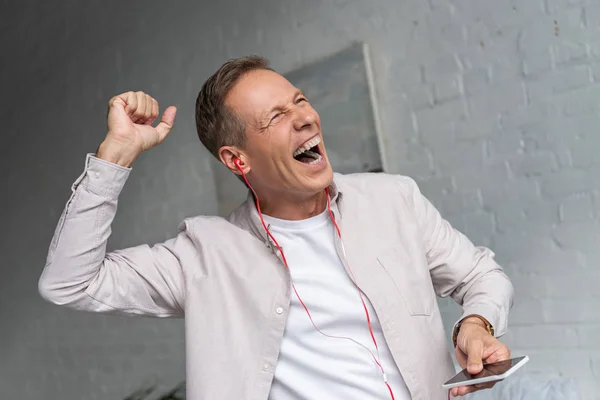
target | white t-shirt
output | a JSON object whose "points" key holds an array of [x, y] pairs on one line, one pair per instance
{"points": [[312, 366]]}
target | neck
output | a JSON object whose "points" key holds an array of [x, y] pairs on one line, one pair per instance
{"points": [[293, 209]]}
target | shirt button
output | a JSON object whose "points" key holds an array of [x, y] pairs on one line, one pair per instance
{"points": [[279, 310], [265, 367], [97, 174]]}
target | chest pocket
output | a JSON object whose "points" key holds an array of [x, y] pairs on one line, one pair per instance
{"points": [[410, 274]]}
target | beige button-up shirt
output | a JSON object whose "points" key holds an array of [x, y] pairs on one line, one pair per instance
{"points": [[227, 280]]}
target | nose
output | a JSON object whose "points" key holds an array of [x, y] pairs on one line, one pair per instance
{"points": [[304, 118]]}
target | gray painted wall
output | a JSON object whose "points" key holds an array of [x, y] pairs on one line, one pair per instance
{"points": [[492, 106]]}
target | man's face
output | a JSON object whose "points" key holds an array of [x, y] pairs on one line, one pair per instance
{"points": [[284, 151]]}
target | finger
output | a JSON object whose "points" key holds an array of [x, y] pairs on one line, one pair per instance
{"points": [[503, 353], [148, 110], [474, 356], [462, 390], [166, 123], [487, 385], [495, 353], [141, 111], [138, 114], [128, 100], [155, 111]]}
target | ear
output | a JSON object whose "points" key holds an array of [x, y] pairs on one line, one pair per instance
{"points": [[229, 155]]}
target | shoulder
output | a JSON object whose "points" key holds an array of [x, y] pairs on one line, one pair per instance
{"points": [[207, 229], [210, 223], [376, 184]]}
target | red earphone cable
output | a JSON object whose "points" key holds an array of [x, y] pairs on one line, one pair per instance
{"points": [[237, 163], [337, 228]]}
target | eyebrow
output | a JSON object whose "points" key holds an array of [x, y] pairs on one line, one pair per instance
{"points": [[280, 107]]}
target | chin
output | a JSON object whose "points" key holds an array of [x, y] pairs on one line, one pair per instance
{"points": [[321, 180]]}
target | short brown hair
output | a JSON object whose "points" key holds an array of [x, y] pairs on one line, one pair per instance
{"points": [[217, 124]]}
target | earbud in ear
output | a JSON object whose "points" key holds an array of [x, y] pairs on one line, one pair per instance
{"points": [[238, 164]]}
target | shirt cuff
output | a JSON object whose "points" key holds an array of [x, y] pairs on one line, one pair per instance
{"points": [[490, 313], [102, 177]]}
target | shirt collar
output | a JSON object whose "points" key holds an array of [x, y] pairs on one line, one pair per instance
{"points": [[256, 227]]}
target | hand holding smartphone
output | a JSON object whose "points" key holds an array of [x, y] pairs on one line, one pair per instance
{"points": [[491, 373]]}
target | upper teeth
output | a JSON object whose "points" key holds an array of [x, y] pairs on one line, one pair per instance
{"points": [[308, 145]]}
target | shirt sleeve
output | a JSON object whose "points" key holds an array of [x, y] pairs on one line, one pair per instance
{"points": [[80, 274], [459, 269]]}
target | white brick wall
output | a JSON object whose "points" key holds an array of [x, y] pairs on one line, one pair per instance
{"points": [[493, 106]]}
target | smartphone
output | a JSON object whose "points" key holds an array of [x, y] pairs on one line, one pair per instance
{"points": [[491, 372]]}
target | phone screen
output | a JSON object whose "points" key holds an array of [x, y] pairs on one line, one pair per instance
{"points": [[497, 368]]}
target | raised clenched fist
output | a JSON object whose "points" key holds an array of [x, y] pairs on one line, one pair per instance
{"points": [[130, 131]]}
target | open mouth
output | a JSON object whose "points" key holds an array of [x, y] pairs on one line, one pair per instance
{"points": [[309, 153]]}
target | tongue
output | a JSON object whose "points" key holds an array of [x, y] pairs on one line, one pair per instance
{"points": [[304, 158], [307, 156]]}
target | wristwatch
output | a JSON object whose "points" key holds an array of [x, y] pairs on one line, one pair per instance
{"points": [[488, 326]]}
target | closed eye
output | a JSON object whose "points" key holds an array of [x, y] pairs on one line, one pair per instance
{"points": [[276, 116], [299, 100]]}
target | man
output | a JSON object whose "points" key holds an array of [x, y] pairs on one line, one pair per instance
{"points": [[319, 286]]}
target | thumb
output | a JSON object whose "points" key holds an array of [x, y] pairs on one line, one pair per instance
{"points": [[166, 123], [474, 356]]}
